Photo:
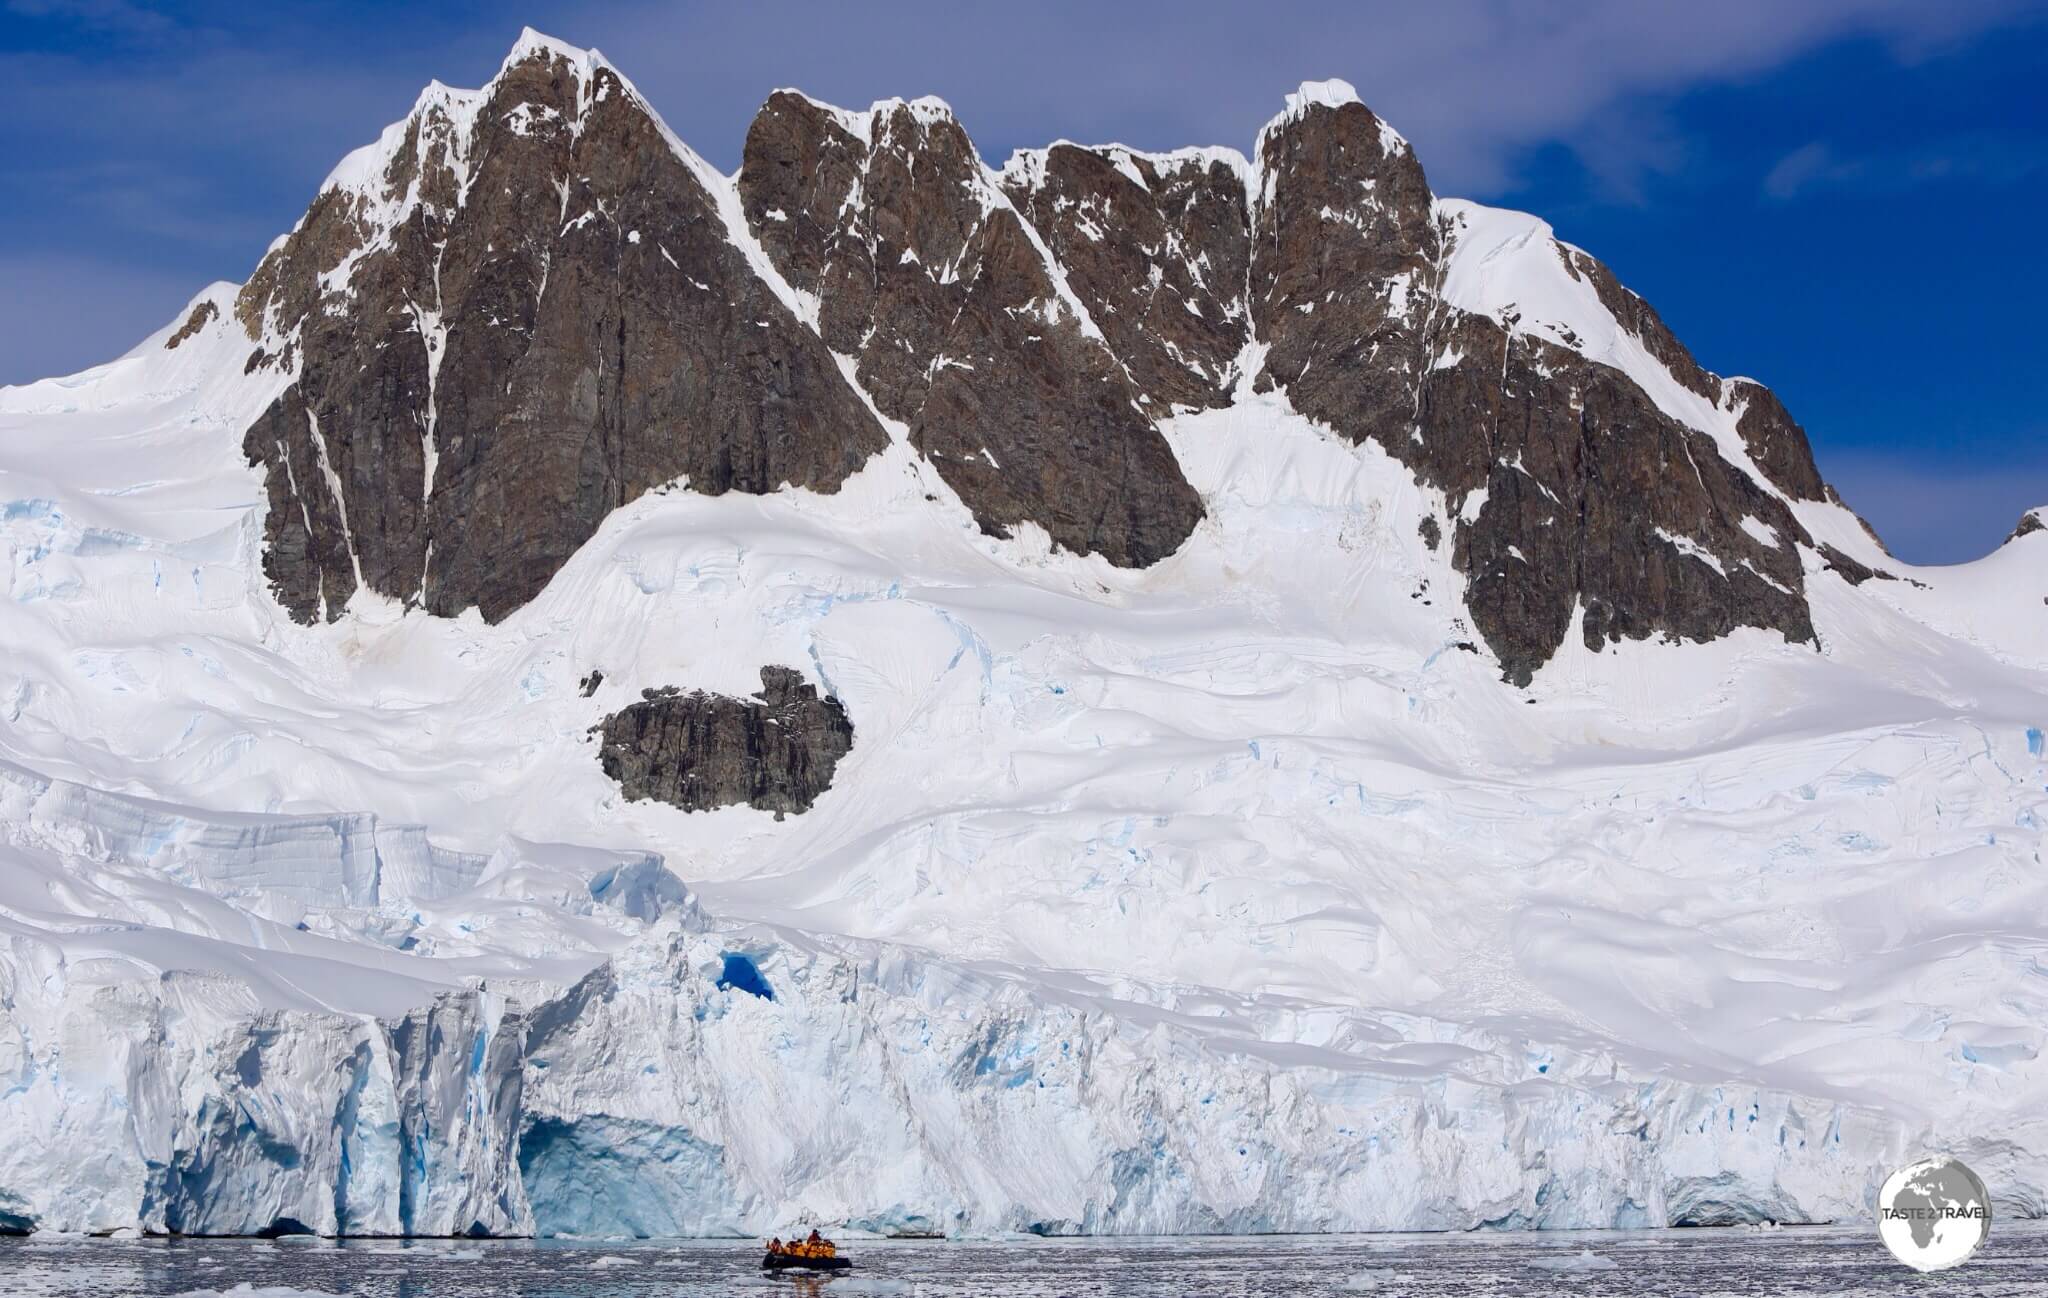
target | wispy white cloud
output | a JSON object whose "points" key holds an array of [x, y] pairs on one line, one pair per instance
{"points": [[66, 313], [1942, 508], [1805, 166], [207, 135], [1475, 84], [1815, 166], [96, 15]]}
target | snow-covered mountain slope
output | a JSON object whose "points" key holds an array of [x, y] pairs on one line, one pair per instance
{"points": [[1235, 890]]}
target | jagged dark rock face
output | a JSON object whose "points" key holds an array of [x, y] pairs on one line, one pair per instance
{"points": [[775, 751], [2030, 522], [1158, 249], [1593, 498], [1345, 271], [565, 318], [599, 335], [1850, 570], [201, 316], [927, 277], [1777, 444]]}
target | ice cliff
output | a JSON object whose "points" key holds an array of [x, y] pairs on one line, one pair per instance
{"points": [[180, 1060]]}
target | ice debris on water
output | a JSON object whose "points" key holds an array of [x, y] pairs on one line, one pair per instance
{"points": [[1583, 1260]]}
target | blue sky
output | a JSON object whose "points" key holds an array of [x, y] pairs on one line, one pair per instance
{"points": [[1842, 198]]}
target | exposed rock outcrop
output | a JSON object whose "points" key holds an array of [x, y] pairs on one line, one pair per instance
{"points": [[1777, 444], [775, 751], [1157, 247], [961, 326], [534, 313], [1850, 570], [530, 304], [201, 316], [1577, 493], [1573, 491], [1345, 271]]}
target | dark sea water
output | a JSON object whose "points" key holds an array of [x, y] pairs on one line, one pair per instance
{"points": [[1691, 1264]]}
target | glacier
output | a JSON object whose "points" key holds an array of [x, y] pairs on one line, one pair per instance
{"points": [[1218, 923], [1233, 894], [851, 1081]]}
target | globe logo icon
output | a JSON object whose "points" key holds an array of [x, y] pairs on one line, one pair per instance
{"points": [[1933, 1214]]}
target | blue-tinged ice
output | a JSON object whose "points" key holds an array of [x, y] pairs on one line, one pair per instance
{"points": [[742, 974]]}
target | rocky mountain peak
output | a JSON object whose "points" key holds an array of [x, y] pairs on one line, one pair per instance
{"points": [[537, 46], [531, 309], [527, 304], [962, 324], [1332, 95]]}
